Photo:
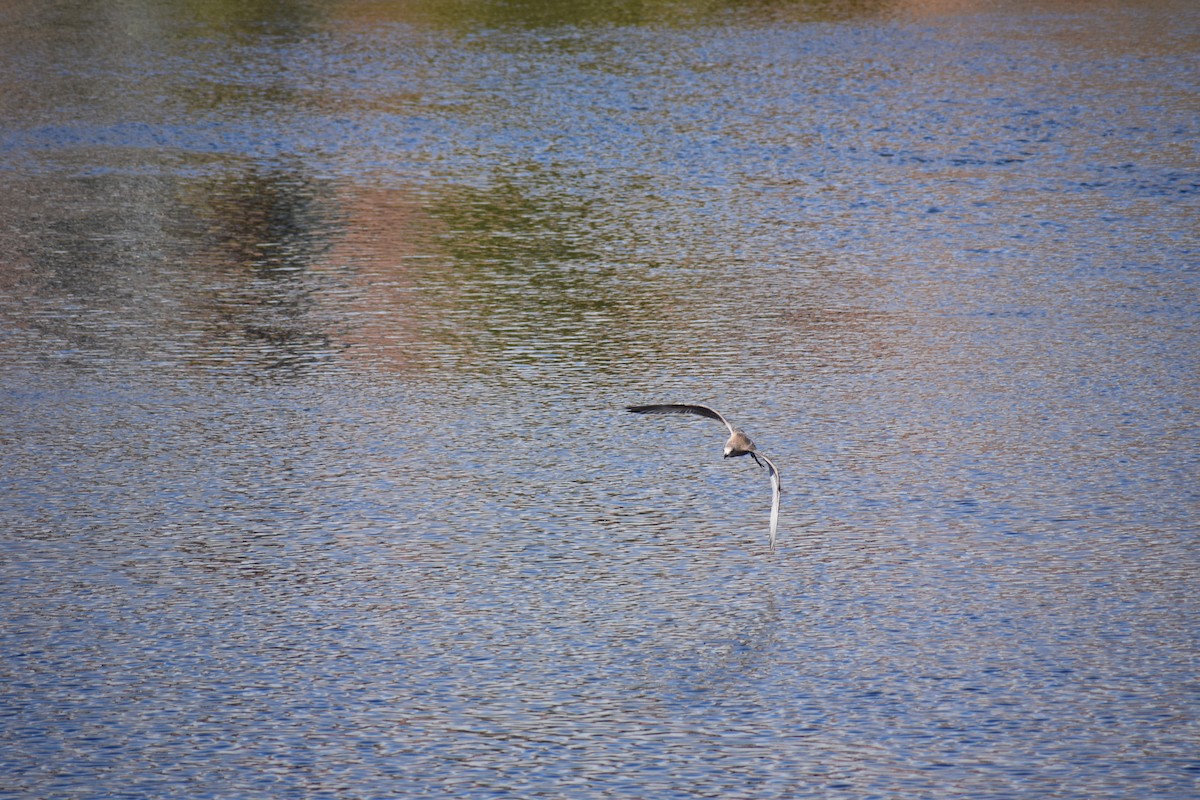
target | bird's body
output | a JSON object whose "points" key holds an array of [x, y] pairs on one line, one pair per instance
{"points": [[738, 444]]}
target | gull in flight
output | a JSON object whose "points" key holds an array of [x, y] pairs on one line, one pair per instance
{"points": [[739, 444]]}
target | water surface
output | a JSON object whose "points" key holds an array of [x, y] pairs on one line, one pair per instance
{"points": [[316, 327]]}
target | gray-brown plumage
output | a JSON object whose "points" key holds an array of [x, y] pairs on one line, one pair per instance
{"points": [[738, 444]]}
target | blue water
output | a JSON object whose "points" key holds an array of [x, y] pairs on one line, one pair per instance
{"points": [[317, 324]]}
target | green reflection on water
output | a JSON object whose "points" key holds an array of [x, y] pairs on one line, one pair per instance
{"points": [[508, 226], [281, 16], [525, 270], [553, 13]]}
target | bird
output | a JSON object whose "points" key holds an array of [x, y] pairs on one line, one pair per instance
{"points": [[738, 444]]}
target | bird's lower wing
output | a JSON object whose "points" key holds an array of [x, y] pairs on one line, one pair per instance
{"points": [[776, 490]]}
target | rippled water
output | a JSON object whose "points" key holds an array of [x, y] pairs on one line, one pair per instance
{"points": [[316, 326]]}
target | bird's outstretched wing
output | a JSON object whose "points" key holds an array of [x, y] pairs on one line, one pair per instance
{"points": [[776, 490], [681, 408]]}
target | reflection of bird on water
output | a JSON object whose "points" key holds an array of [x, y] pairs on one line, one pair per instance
{"points": [[739, 444]]}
